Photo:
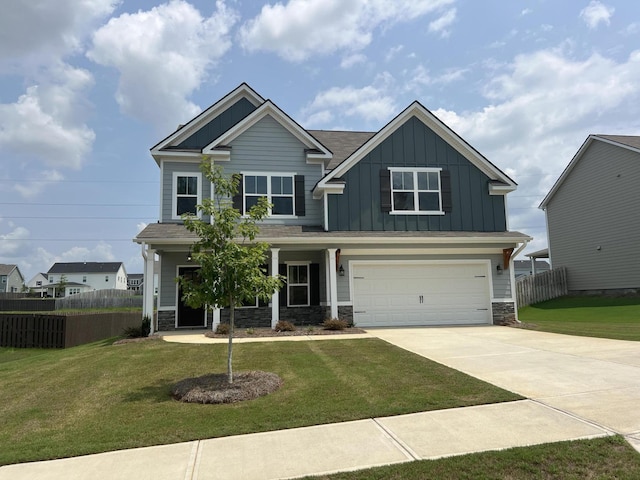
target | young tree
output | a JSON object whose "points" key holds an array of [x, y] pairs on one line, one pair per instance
{"points": [[230, 259]]}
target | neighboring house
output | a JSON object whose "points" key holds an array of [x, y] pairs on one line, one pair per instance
{"points": [[78, 277], [526, 267], [593, 222], [404, 226], [135, 282], [38, 284], [11, 280]]}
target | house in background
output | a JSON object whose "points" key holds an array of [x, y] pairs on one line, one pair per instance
{"points": [[135, 282], [38, 284], [78, 277], [593, 220], [403, 226], [526, 267], [11, 280]]}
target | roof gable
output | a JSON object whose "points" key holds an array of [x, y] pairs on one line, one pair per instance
{"points": [[416, 109], [628, 142], [315, 149], [178, 139], [7, 269], [85, 267]]}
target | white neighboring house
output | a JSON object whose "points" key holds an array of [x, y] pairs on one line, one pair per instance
{"points": [[11, 280], [78, 277], [38, 284]]}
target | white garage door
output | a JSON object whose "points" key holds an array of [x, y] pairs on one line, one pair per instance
{"points": [[421, 294]]}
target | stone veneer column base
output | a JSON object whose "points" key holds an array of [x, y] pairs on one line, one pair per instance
{"points": [[503, 313], [346, 313], [166, 320]]}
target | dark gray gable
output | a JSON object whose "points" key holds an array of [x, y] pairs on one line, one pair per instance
{"points": [[468, 207], [216, 127]]}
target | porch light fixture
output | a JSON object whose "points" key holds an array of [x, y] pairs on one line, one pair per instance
{"points": [[189, 257], [341, 271], [499, 269]]}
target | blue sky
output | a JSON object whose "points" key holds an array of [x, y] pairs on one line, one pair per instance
{"points": [[88, 86]]}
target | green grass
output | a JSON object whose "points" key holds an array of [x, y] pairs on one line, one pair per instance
{"points": [[606, 317], [601, 458], [101, 397], [11, 354]]}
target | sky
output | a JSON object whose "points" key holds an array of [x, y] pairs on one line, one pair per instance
{"points": [[87, 87]]}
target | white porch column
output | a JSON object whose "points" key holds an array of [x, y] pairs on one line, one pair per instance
{"points": [[147, 294], [333, 285], [275, 298], [216, 319]]}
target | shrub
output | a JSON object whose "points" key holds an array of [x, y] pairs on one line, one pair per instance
{"points": [[146, 326], [284, 326], [137, 332], [223, 329], [250, 331], [334, 324]]}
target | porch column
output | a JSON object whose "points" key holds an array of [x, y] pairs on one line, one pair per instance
{"points": [[216, 319], [147, 298], [333, 285], [275, 298]]}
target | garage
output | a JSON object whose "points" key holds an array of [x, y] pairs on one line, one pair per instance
{"points": [[421, 293]]}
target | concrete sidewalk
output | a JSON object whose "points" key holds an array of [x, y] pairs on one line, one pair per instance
{"points": [[564, 377]]}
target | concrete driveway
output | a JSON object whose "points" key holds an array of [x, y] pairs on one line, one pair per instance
{"points": [[594, 379]]}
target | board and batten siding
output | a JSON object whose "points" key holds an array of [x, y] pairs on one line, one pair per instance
{"points": [[598, 205], [415, 145], [168, 169], [501, 283], [268, 147]]}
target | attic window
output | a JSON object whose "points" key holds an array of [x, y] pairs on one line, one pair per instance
{"points": [[416, 191]]}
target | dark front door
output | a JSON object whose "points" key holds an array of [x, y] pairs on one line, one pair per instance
{"points": [[187, 316]]}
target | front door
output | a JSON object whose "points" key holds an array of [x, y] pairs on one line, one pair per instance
{"points": [[187, 316]]}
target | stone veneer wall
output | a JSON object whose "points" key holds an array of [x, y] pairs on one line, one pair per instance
{"points": [[346, 313], [166, 320], [503, 313]]}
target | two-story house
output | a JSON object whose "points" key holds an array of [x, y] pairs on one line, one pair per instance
{"points": [[78, 277], [403, 226], [11, 280]]}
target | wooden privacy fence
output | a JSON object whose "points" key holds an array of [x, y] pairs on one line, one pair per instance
{"points": [[532, 289], [32, 330], [100, 299]]}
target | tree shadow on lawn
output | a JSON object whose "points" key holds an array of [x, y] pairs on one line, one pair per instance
{"points": [[158, 392]]}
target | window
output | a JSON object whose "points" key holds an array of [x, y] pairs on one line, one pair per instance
{"points": [[416, 191], [84, 278], [187, 194], [50, 279], [38, 283], [106, 278], [73, 290], [298, 285], [278, 189]]}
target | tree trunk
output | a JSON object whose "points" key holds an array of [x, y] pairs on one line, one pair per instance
{"points": [[230, 354]]}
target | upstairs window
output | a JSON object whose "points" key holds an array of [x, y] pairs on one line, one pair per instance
{"points": [[416, 191], [187, 194], [278, 190]]}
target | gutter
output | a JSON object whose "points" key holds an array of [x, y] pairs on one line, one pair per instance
{"points": [[512, 275]]}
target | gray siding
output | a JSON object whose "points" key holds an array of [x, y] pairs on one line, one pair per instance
{"points": [[597, 205], [416, 145], [216, 127], [167, 185], [268, 147]]}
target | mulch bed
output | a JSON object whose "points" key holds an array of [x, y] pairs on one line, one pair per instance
{"points": [[215, 389], [269, 332]]}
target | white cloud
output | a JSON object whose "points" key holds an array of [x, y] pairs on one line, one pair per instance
{"points": [[596, 13], [369, 103], [441, 25], [162, 55], [12, 243], [393, 52], [526, 11], [352, 60], [33, 31], [302, 28]]}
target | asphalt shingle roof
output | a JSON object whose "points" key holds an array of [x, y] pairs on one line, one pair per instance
{"points": [[629, 140], [85, 267], [341, 143], [6, 269]]}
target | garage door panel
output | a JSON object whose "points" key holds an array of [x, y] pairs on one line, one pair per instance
{"points": [[421, 294]]}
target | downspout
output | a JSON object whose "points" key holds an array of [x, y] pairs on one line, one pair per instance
{"points": [[512, 275]]}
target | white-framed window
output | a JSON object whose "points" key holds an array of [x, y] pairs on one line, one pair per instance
{"points": [[50, 279], [106, 278], [277, 188], [416, 191], [84, 279], [38, 283], [298, 290], [187, 193], [73, 290]]}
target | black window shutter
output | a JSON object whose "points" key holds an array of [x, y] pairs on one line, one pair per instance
{"points": [[299, 194], [282, 270], [314, 284], [237, 198], [385, 190], [262, 303], [445, 189]]}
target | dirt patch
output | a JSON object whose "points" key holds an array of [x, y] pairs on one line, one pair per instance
{"points": [[214, 388], [269, 332]]}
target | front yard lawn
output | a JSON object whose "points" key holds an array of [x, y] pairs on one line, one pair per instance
{"points": [[606, 317], [101, 397]]}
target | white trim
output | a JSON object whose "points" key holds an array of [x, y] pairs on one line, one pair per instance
{"points": [[325, 213], [308, 284], [174, 192], [415, 190], [269, 194], [333, 282], [166, 309], [421, 251], [161, 200], [275, 297]]}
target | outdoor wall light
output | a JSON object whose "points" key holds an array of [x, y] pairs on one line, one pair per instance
{"points": [[499, 269], [341, 271], [189, 257]]}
